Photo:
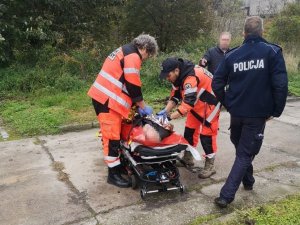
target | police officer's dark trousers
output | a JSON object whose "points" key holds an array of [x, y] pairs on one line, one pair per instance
{"points": [[247, 136]]}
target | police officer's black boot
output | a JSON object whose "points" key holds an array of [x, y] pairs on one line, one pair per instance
{"points": [[114, 177]]}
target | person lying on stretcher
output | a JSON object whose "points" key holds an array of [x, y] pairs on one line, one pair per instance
{"points": [[147, 130], [155, 131], [151, 132]]}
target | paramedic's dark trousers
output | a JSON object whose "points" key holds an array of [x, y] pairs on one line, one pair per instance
{"points": [[247, 135]]}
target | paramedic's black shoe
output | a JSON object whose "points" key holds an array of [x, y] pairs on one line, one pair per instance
{"points": [[114, 177], [222, 203], [123, 170]]}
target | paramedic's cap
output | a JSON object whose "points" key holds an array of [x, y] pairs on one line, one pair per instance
{"points": [[168, 65]]}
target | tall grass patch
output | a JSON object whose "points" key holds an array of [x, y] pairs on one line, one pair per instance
{"points": [[293, 66], [283, 212]]}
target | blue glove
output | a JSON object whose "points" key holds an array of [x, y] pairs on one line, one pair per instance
{"points": [[146, 111], [162, 114]]}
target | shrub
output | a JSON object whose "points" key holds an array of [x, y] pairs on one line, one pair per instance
{"points": [[67, 83], [285, 28]]}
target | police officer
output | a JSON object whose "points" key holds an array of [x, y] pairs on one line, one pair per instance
{"points": [[195, 99], [256, 89], [116, 89]]}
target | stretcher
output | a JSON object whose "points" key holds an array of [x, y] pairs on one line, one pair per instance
{"points": [[151, 166]]}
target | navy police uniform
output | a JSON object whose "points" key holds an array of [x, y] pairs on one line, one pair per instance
{"points": [[251, 82]]}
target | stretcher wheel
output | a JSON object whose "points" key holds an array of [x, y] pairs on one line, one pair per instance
{"points": [[182, 188], [143, 193], [134, 181]]}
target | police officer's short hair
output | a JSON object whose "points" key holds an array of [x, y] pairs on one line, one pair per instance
{"points": [[253, 26], [148, 42]]}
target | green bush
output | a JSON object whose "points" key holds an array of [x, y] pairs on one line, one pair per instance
{"points": [[26, 80], [68, 83], [6, 54], [294, 83], [52, 72], [285, 28]]}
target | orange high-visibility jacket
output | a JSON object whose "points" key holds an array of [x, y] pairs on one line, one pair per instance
{"points": [[119, 82], [196, 96]]}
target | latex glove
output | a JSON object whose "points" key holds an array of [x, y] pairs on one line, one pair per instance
{"points": [[146, 111], [161, 115]]}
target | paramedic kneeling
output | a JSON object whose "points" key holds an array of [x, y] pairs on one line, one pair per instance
{"points": [[256, 80]]}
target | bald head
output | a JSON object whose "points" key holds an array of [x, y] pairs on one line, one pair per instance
{"points": [[253, 26]]}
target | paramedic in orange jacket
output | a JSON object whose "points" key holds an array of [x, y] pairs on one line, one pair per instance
{"points": [[116, 89], [192, 89]]}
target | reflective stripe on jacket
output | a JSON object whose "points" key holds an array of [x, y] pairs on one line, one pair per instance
{"points": [[119, 80], [196, 95]]}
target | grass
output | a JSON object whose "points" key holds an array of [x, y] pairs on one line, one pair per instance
{"points": [[44, 113], [283, 212], [294, 83], [204, 219], [293, 64]]}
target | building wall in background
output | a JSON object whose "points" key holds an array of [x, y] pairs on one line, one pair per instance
{"points": [[265, 8]]}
